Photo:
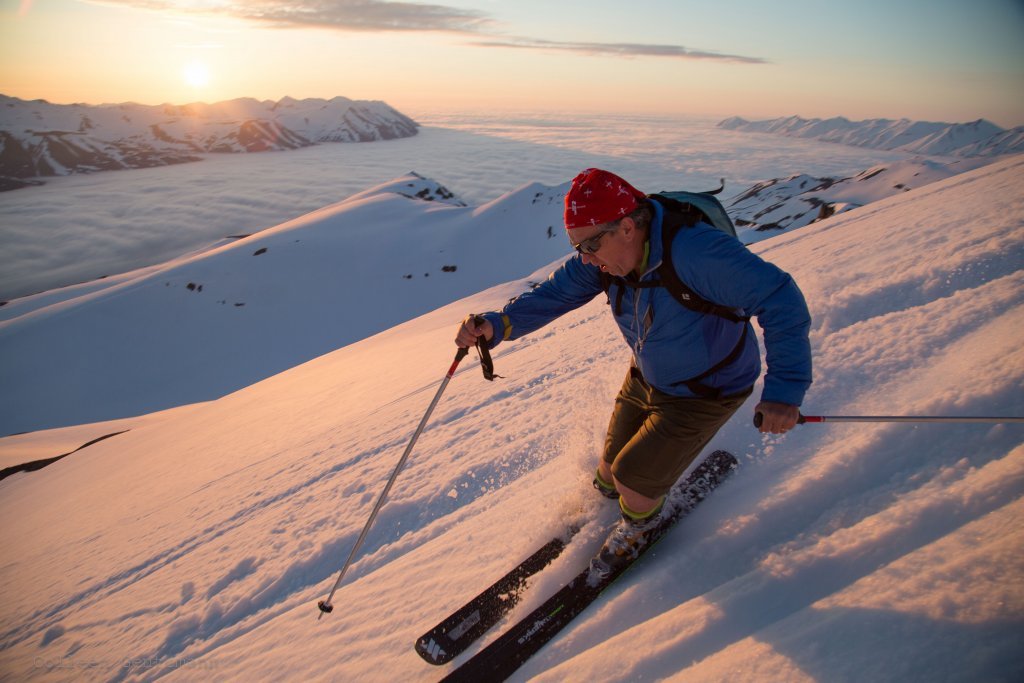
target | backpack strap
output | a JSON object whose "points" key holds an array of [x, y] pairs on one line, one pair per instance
{"points": [[622, 283], [606, 284], [676, 216]]}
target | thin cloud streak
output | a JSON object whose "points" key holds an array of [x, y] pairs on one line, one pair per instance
{"points": [[348, 15], [618, 49]]}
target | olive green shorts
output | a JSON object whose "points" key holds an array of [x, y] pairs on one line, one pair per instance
{"points": [[653, 436]]}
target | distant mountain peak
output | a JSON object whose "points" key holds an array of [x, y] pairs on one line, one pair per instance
{"points": [[36, 139], [972, 139]]}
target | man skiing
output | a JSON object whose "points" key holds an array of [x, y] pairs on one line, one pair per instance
{"points": [[692, 368]]}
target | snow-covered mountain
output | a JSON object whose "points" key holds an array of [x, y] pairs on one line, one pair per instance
{"points": [[780, 204], [977, 138], [195, 545], [41, 139], [253, 307]]}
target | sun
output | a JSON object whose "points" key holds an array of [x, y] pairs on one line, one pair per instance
{"points": [[196, 74]]}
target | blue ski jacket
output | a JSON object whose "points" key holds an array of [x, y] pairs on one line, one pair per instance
{"points": [[671, 343]]}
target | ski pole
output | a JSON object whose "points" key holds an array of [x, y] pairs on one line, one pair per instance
{"points": [[759, 418], [325, 605]]}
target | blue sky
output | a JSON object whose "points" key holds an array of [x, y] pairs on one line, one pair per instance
{"points": [[935, 60]]}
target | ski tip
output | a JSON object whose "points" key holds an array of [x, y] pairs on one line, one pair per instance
{"points": [[723, 457]]}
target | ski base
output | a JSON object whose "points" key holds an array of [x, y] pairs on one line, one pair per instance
{"points": [[501, 658], [454, 634]]}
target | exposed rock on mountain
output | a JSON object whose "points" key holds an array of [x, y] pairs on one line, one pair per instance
{"points": [[771, 206]]}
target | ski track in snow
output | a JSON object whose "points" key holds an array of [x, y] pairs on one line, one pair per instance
{"points": [[196, 546]]}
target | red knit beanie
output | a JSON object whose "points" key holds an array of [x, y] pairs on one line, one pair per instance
{"points": [[598, 196]]}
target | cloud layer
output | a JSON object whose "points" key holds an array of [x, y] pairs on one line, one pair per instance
{"points": [[381, 15]]}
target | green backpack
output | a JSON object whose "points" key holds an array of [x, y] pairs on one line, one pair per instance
{"points": [[707, 204]]}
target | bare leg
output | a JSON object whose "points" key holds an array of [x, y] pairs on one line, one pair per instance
{"points": [[637, 502]]}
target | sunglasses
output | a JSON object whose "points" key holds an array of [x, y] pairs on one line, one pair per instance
{"points": [[592, 244]]}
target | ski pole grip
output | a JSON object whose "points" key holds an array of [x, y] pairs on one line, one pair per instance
{"points": [[459, 355], [482, 348], [759, 419]]}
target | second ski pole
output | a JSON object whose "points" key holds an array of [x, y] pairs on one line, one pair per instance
{"points": [[803, 419], [325, 605], [488, 367]]}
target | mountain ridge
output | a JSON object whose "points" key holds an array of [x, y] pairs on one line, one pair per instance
{"points": [[979, 138], [39, 139], [779, 204]]}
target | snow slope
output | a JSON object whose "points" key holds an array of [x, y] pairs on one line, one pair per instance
{"points": [[195, 547], [204, 325]]}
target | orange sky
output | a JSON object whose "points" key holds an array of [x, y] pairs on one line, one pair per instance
{"points": [[924, 60]]}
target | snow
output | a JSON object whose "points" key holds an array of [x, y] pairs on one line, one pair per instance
{"points": [[41, 445], [195, 546], [204, 325]]}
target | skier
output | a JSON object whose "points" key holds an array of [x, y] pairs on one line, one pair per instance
{"points": [[690, 371]]}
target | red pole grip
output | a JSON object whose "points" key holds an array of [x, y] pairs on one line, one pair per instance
{"points": [[462, 353]]}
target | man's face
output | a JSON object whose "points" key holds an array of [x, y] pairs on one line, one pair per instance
{"points": [[615, 246]]}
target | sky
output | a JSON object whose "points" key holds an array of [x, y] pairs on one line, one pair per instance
{"points": [[937, 60]]}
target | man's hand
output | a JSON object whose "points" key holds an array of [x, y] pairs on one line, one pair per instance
{"points": [[777, 418], [469, 331]]}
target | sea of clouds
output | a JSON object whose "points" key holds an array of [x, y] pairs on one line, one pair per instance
{"points": [[79, 228]]}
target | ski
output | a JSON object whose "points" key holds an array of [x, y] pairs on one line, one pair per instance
{"points": [[457, 632], [498, 660]]}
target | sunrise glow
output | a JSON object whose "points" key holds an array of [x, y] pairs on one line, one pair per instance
{"points": [[196, 74]]}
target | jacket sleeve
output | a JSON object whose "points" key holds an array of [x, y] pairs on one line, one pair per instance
{"points": [[723, 270], [570, 286]]}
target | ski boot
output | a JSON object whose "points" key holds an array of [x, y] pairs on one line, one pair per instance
{"points": [[625, 541]]}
